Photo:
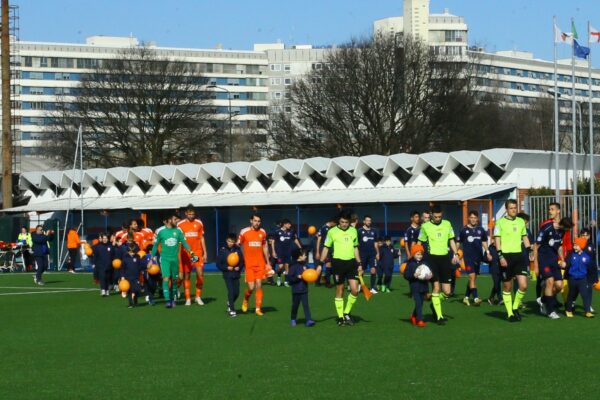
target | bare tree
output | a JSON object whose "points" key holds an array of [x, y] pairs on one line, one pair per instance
{"points": [[378, 95], [137, 109]]}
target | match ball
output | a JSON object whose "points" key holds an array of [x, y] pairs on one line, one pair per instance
{"points": [[597, 285], [402, 243], [154, 269], [310, 275], [124, 285], [423, 273], [402, 268], [116, 263], [312, 230], [142, 253], [88, 250], [233, 259]]}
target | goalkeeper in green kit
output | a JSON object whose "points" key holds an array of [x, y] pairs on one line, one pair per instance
{"points": [[169, 238]]}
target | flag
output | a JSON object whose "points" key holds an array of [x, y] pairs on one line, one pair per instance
{"points": [[574, 30], [594, 35], [580, 51], [562, 37]]}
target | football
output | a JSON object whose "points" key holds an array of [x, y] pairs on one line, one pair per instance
{"points": [[423, 273]]}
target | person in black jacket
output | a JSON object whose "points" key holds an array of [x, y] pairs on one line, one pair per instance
{"points": [[418, 288], [41, 250], [231, 273], [103, 255], [299, 286], [131, 267]]}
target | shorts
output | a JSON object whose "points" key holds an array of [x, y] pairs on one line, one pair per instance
{"points": [[368, 261], [515, 266], [169, 267], [343, 270], [550, 271], [441, 268], [284, 259], [186, 265], [255, 272], [472, 266]]}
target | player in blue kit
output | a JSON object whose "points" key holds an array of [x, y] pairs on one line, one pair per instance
{"points": [[549, 259], [285, 240], [321, 235], [411, 235], [368, 249], [473, 240]]}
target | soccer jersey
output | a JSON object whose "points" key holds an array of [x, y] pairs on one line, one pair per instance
{"points": [[193, 231], [471, 240], [342, 241], [549, 240], [253, 241], [437, 236], [169, 240], [323, 234], [510, 232], [148, 237], [284, 241], [366, 240], [411, 235]]}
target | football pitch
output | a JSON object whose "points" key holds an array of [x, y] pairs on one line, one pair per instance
{"points": [[63, 341]]}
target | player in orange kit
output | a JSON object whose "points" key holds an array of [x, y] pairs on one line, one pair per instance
{"points": [[256, 260], [193, 230]]}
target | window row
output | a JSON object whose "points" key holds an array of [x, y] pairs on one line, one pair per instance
{"points": [[91, 63]]}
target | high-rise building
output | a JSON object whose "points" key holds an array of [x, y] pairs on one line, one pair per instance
{"points": [[416, 19]]}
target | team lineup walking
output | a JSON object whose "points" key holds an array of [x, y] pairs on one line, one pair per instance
{"points": [[136, 261]]}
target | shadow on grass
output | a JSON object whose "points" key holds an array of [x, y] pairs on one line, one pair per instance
{"points": [[497, 314], [50, 282]]}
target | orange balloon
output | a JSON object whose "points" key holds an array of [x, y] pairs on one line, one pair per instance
{"points": [[457, 273], [233, 259], [154, 269], [310, 275], [124, 285], [402, 243], [116, 263], [312, 230], [95, 242], [597, 285], [460, 253], [88, 250], [142, 253], [402, 268]]}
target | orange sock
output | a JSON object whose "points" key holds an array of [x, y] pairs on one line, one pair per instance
{"points": [[259, 297], [179, 282], [247, 294], [199, 285], [186, 286]]}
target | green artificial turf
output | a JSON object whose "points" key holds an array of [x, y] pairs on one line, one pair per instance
{"points": [[77, 345]]}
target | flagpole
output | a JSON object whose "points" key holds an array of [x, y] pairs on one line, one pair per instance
{"points": [[591, 134], [556, 125], [574, 135]]}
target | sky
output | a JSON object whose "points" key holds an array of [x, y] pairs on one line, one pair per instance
{"points": [[238, 24]]}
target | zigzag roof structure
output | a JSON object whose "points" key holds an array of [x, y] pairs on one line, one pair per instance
{"points": [[434, 176]]}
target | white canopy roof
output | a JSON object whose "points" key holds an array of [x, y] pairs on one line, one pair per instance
{"points": [[396, 178]]}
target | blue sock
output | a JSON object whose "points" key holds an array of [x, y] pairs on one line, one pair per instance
{"points": [[468, 292], [474, 292]]}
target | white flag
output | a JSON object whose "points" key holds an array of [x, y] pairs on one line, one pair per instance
{"points": [[562, 37], [594, 35]]}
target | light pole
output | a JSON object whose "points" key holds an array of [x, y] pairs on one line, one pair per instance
{"points": [[213, 86]]}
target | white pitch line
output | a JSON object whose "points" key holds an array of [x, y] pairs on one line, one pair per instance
{"points": [[48, 291], [42, 288]]}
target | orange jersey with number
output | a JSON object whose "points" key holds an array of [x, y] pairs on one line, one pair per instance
{"points": [[252, 242], [193, 232]]}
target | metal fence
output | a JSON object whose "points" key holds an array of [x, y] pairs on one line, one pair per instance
{"points": [[537, 208]]}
